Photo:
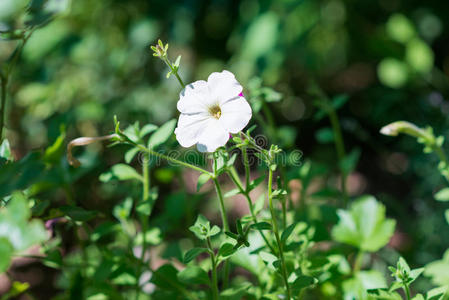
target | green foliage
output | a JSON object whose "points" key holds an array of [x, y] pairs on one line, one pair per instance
{"points": [[66, 66], [202, 228], [437, 270], [121, 172], [17, 233], [162, 134], [364, 225]]}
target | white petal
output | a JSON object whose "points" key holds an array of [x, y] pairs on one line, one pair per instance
{"points": [[212, 137], [223, 86], [190, 127], [194, 97], [235, 114]]}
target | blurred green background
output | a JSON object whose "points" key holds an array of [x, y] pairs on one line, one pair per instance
{"points": [[391, 57]]}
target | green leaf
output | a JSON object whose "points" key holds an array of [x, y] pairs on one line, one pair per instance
{"points": [[120, 172], [202, 179], [16, 232], [162, 134], [152, 237], [77, 213], [302, 282], [436, 293], [442, 195], [437, 270], [5, 150], [364, 225], [129, 155], [147, 129], [349, 162], [201, 228], [54, 153], [236, 292], [268, 258], [287, 232], [214, 231], [231, 193], [415, 273], [226, 249], [193, 275], [177, 61], [324, 135], [121, 211], [261, 226], [254, 183], [446, 214], [193, 253], [105, 229], [166, 277], [382, 294], [53, 259], [357, 286], [6, 251]]}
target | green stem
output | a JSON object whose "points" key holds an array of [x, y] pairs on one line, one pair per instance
{"points": [[339, 145], [167, 158], [358, 262], [247, 167], [276, 232], [234, 177], [225, 222], [4, 83], [254, 145], [143, 217], [174, 71], [224, 218], [443, 158], [407, 290], [215, 292], [5, 77], [284, 214]]}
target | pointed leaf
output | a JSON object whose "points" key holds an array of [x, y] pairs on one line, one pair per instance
{"points": [[193, 253], [162, 134]]}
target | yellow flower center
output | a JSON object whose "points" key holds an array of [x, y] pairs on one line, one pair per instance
{"points": [[215, 111]]}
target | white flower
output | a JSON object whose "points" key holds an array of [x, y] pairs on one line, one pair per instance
{"points": [[210, 111]]}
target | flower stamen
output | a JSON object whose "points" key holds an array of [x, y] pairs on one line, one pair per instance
{"points": [[215, 111]]}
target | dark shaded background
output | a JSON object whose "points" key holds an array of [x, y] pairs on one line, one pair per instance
{"points": [[94, 62]]}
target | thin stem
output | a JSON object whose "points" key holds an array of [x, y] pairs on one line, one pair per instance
{"points": [[443, 158], [167, 158], [143, 217], [276, 232], [174, 71], [284, 214], [4, 83], [234, 177], [5, 78], [358, 261], [253, 144], [224, 219], [407, 291], [247, 167], [340, 147], [214, 270]]}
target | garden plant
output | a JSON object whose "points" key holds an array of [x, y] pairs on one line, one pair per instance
{"points": [[210, 195]]}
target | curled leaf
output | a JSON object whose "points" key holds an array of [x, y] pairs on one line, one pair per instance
{"points": [[83, 141], [393, 129]]}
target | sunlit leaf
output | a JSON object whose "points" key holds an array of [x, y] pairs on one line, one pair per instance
{"points": [[364, 225]]}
